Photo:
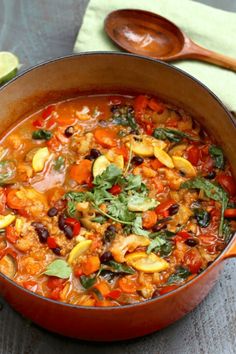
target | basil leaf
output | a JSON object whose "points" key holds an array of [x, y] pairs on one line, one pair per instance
{"points": [[203, 217], [7, 171], [120, 268], [87, 282], [172, 135], [42, 134], [58, 268], [59, 163], [218, 156], [179, 276]]}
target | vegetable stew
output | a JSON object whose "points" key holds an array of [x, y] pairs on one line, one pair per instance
{"points": [[111, 200]]}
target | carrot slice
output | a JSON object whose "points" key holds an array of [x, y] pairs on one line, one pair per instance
{"points": [[105, 137], [13, 201], [81, 173], [91, 265], [128, 284], [149, 219], [103, 287]]}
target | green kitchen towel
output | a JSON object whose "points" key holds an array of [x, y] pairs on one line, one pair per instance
{"points": [[215, 29]]}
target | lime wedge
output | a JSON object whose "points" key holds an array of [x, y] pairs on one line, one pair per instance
{"points": [[8, 66]]}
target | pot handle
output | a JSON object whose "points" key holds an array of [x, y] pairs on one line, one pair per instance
{"points": [[231, 252]]}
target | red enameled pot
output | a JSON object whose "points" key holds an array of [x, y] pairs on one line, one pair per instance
{"points": [[115, 73]]}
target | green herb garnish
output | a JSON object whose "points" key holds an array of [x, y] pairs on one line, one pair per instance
{"points": [[87, 282], [42, 134], [59, 163], [124, 115], [120, 268], [218, 156], [179, 276], [203, 217]]}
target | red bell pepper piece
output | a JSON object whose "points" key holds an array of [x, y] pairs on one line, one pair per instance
{"points": [[115, 190], [75, 224]]}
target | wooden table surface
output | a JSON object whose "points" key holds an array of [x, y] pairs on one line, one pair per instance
{"points": [[40, 29]]}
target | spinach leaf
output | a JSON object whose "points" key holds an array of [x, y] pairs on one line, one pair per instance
{"points": [[172, 135], [212, 191], [218, 156], [59, 163], [42, 134], [120, 268], [87, 282], [58, 268], [203, 217], [7, 171], [179, 276]]}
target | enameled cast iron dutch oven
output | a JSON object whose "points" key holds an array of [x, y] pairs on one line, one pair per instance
{"points": [[115, 73]]}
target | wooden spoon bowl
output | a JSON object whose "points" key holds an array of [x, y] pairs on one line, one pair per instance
{"points": [[145, 33]]}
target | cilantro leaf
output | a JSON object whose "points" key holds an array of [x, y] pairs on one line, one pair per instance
{"points": [[99, 219], [76, 196], [137, 227], [58, 268], [108, 178], [172, 135], [71, 209], [218, 156], [118, 208]]}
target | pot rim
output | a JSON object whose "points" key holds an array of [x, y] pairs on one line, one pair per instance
{"points": [[219, 259]]}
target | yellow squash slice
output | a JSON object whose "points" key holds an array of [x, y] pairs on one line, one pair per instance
{"points": [[6, 220], [79, 249], [39, 159], [178, 150], [184, 166], [163, 157], [147, 263], [100, 165]]}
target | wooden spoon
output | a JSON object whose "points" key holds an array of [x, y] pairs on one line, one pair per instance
{"points": [[145, 33]]}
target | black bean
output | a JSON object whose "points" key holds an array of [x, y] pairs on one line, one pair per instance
{"points": [[57, 251], [110, 233], [190, 242], [173, 209], [68, 231], [61, 222], [211, 175], [69, 131], [114, 108], [95, 153], [52, 212], [155, 294], [137, 160], [37, 225], [159, 227], [106, 257], [43, 234], [89, 157]]}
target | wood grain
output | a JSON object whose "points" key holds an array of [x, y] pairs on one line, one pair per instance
{"points": [[38, 30]]}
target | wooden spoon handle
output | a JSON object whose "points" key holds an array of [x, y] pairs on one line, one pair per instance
{"points": [[194, 51]]}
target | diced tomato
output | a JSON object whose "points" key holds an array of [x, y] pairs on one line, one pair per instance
{"points": [[128, 284], [140, 104], [9, 251], [156, 106], [193, 260], [230, 213], [64, 121], [167, 289], [114, 294], [164, 206], [159, 188], [38, 123], [75, 224], [51, 242], [149, 128], [184, 235], [106, 137], [55, 282], [115, 190], [193, 155], [55, 294], [47, 112], [78, 271], [227, 182], [11, 234]]}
